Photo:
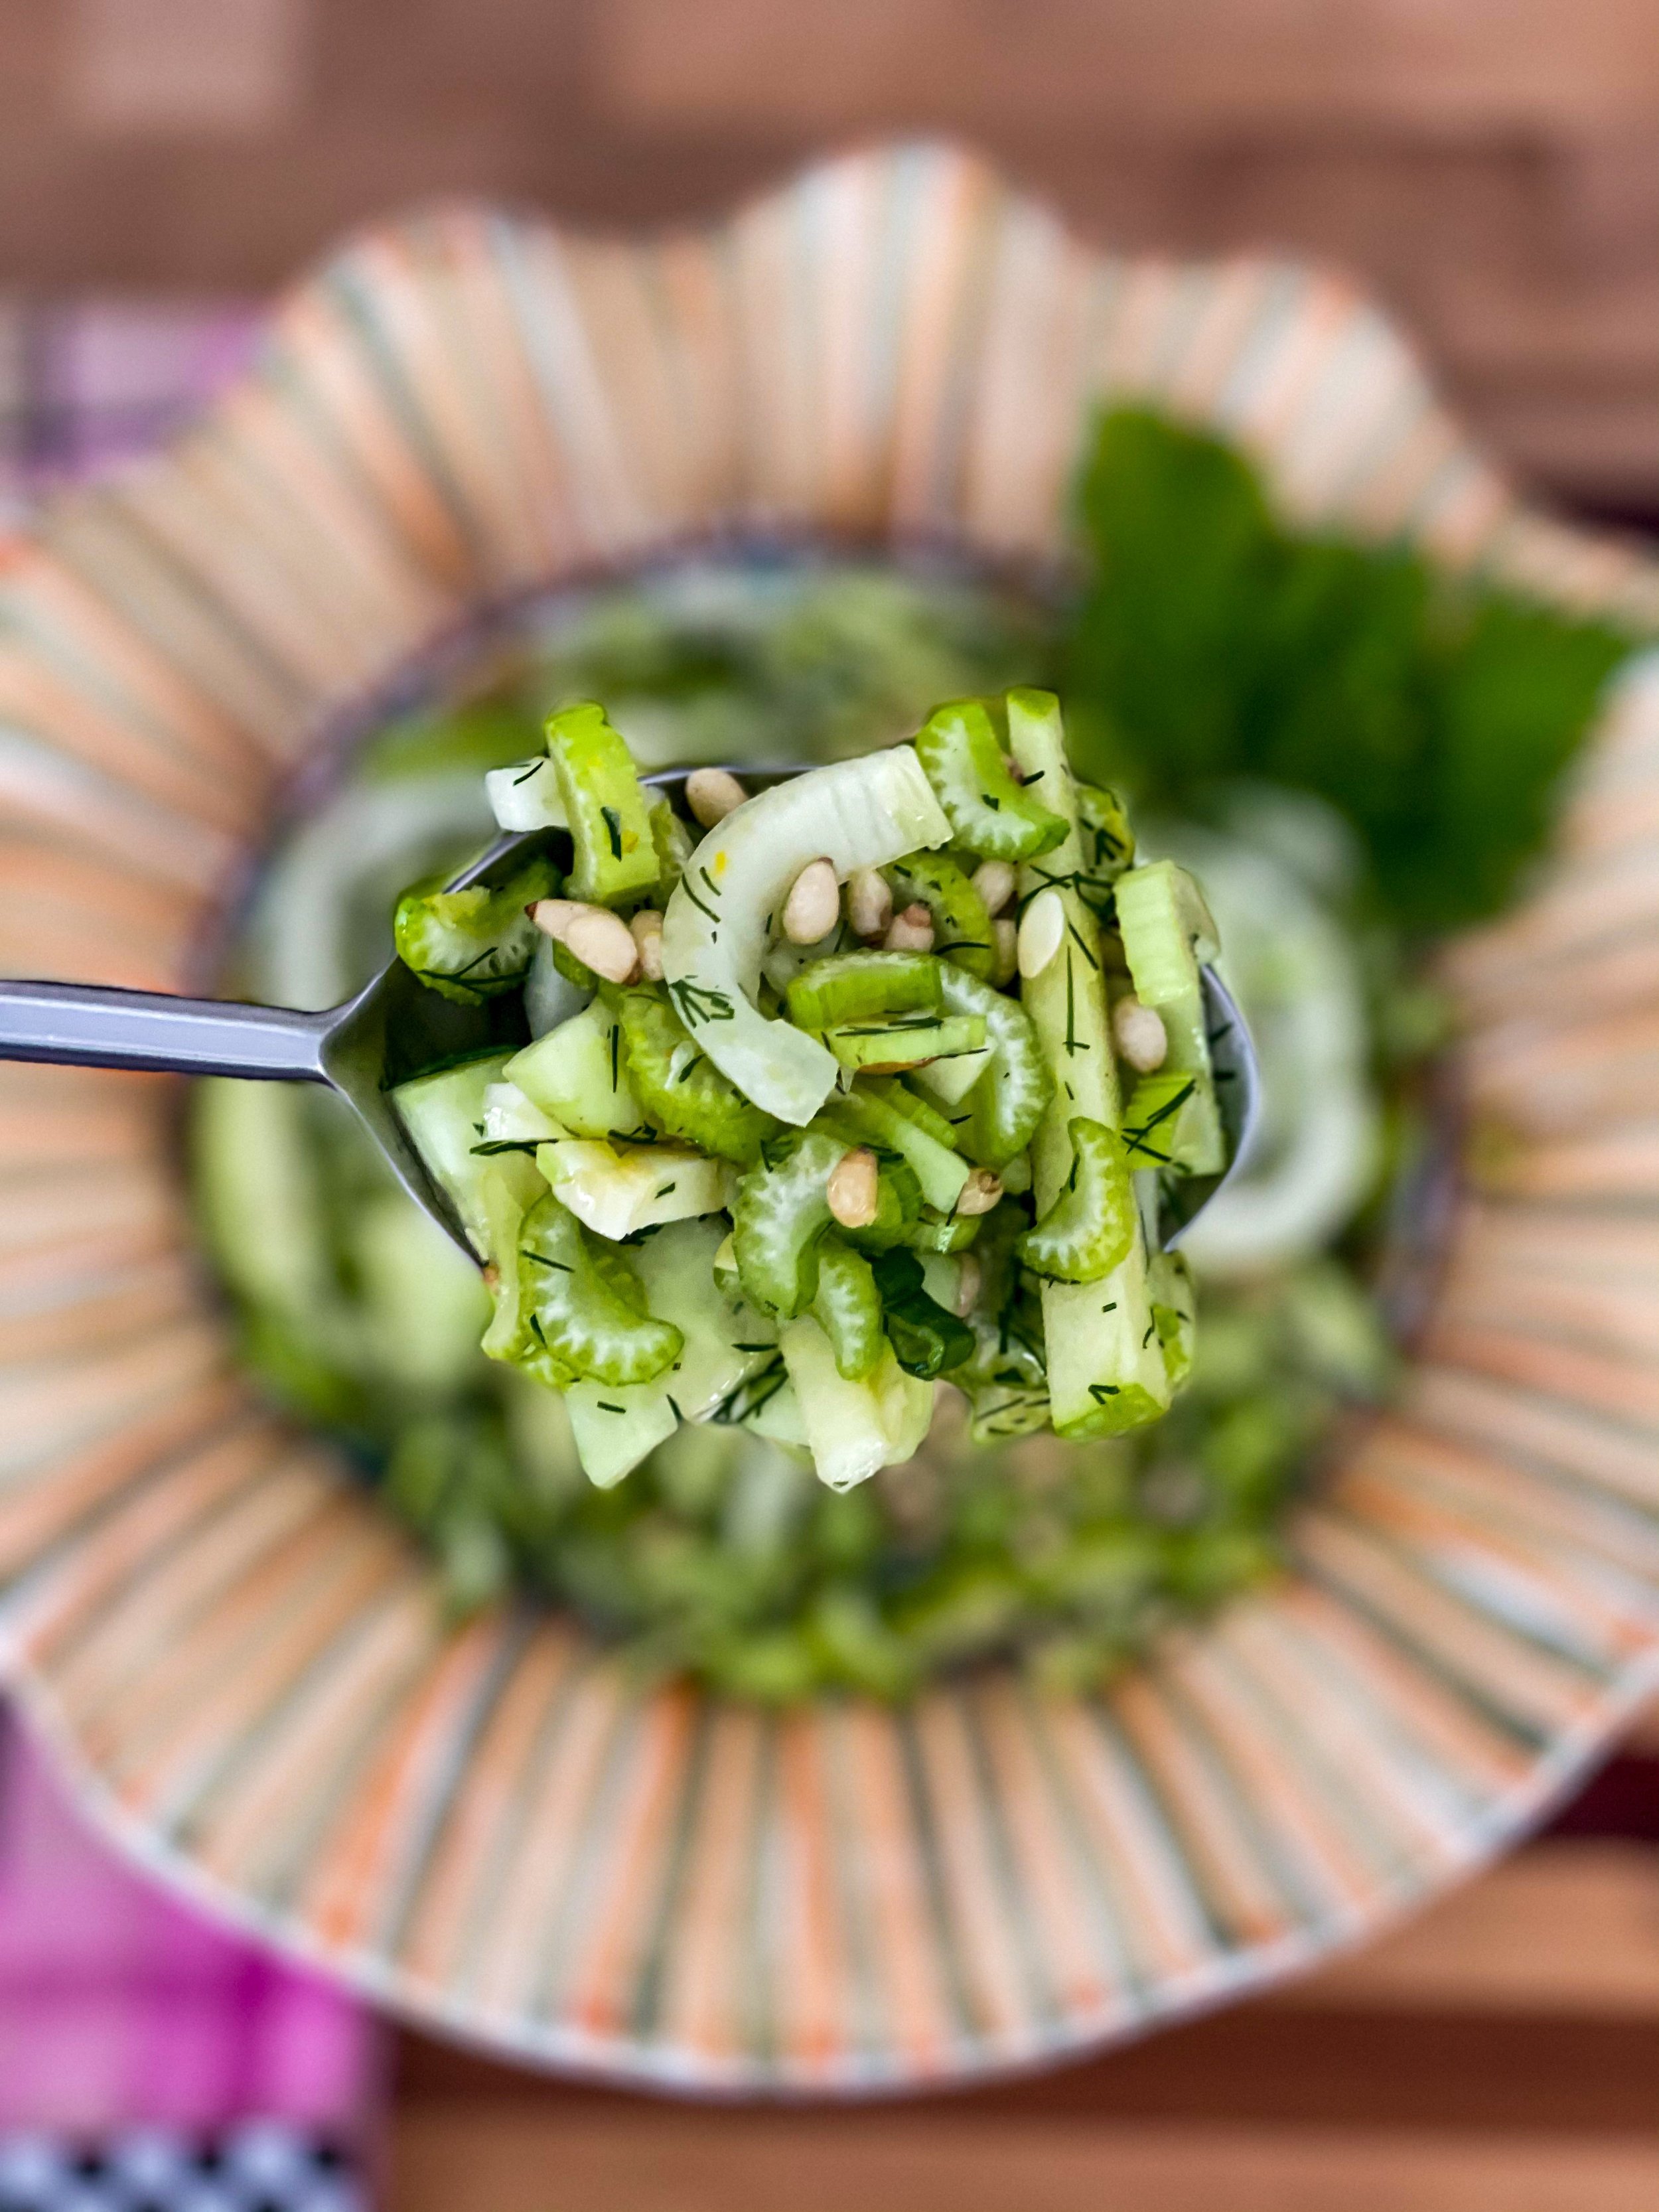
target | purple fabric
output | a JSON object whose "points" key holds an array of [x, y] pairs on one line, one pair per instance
{"points": [[120, 2006]]}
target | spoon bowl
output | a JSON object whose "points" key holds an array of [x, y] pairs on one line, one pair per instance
{"points": [[395, 1029]]}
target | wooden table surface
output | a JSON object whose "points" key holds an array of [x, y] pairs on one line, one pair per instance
{"points": [[1499, 2053]]}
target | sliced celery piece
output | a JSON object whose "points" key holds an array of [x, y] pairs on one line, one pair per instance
{"points": [[584, 1305], [962, 922], [905, 1041], [578, 1074], [857, 814], [1015, 1087], [1092, 1223], [475, 943], [1162, 1122], [863, 986], [847, 1307], [949, 1081], [989, 812], [1106, 1370], [853, 1429], [616, 852], [616, 1194], [874, 1114], [1167, 932], [1175, 1311], [680, 1086], [780, 1211], [445, 1117], [674, 843], [934, 1232]]}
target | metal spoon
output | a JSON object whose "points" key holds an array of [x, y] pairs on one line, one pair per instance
{"points": [[395, 1028]]}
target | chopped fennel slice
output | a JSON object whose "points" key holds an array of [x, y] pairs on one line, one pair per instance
{"points": [[616, 1194], [525, 795], [853, 1429], [856, 814]]}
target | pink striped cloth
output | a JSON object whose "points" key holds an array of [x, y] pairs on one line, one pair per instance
{"points": [[120, 2007]]}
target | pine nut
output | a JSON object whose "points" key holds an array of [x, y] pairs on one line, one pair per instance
{"points": [[969, 1277], [912, 931], [647, 928], [1041, 931], [604, 942], [1005, 939], [869, 902], [813, 906], [994, 882], [712, 793], [1138, 1033], [553, 917], [853, 1190], [980, 1193]]}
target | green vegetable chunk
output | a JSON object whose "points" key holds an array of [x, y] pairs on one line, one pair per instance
{"points": [[989, 811], [674, 844], [611, 826], [906, 1040], [1106, 1371], [875, 1114], [1093, 1224], [678, 1086], [927, 1339], [863, 986], [446, 1116], [1012, 1093], [1174, 1311], [780, 1213], [579, 1073], [962, 924], [475, 943], [1158, 1125], [1167, 931], [584, 1305], [1103, 832], [846, 1306]]}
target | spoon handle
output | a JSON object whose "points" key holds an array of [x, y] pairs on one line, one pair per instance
{"points": [[88, 1025]]}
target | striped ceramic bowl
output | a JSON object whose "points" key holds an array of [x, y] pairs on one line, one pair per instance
{"points": [[237, 1655]]}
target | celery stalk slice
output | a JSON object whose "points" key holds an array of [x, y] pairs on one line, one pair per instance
{"points": [[611, 826], [1106, 1368], [990, 813], [856, 814], [1167, 931]]}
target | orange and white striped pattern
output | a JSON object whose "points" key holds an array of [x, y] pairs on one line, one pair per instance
{"points": [[489, 1827]]}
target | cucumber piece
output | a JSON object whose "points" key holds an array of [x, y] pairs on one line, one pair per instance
{"points": [[906, 1040], [578, 1074], [726, 1343], [426, 1304], [962, 922], [1092, 1223], [617, 1194], [863, 986], [514, 1123], [857, 814], [584, 1305], [473, 945], [989, 813], [776, 1415], [1175, 1311], [445, 1117], [877, 1118], [1167, 932], [680, 1086], [853, 1429], [525, 795], [848, 1307], [611, 830], [1015, 1086], [551, 993], [1105, 1364]]}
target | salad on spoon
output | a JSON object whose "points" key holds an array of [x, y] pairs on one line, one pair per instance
{"points": [[895, 1072]]}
